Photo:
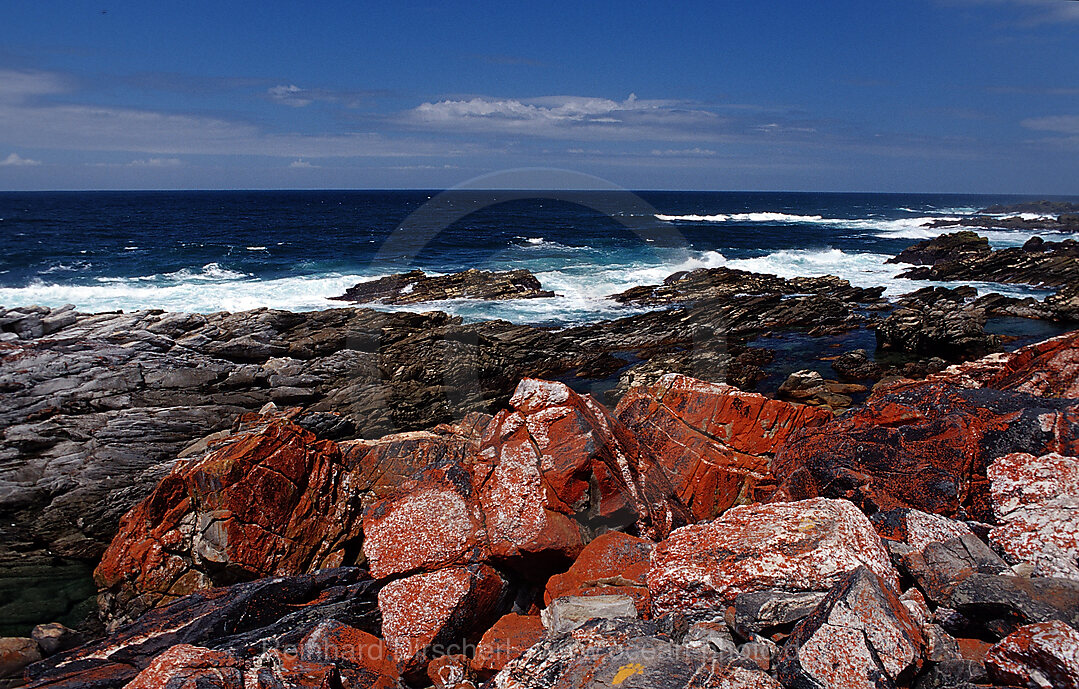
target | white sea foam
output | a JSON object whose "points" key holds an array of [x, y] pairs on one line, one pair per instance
{"points": [[741, 217]]}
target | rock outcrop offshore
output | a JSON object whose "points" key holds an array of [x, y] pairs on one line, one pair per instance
{"points": [[695, 535]]}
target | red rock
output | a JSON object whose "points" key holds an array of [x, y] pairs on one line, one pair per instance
{"points": [[713, 440], [1036, 502], [582, 464], [922, 445], [270, 500], [799, 546], [1044, 369], [451, 672], [17, 652], [1045, 654], [431, 614], [362, 660], [288, 670], [614, 563], [434, 523], [190, 667], [511, 636], [860, 635], [973, 649]]}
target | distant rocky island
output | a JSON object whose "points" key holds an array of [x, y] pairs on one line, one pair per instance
{"points": [[367, 498]]}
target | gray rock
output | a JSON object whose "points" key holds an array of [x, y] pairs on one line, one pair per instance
{"points": [[759, 611], [16, 653], [953, 674], [55, 637], [998, 605], [569, 612]]}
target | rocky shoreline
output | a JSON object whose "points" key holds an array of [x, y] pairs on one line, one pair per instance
{"points": [[358, 498]]}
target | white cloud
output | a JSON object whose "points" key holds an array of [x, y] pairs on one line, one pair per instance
{"points": [[683, 152], [302, 164], [1064, 124], [156, 162], [15, 160], [291, 95], [1039, 11], [571, 117]]}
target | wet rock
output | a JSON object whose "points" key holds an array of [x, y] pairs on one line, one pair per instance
{"points": [[859, 636], [937, 321], [998, 605], [798, 546], [924, 446], [511, 636], [1037, 655], [614, 563], [425, 615], [935, 551], [190, 667], [237, 620], [416, 287], [965, 256], [569, 612], [856, 365], [712, 440], [605, 653], [1036, 503], [16, 653]]}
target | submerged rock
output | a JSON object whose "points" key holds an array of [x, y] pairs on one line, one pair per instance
{"points": [[416, 287]]}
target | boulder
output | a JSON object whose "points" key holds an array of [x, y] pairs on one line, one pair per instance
{"points": [[451, 672], [569, 612], [606, 653], [859, 636], [505, 641], [1036, 502], [953, 674], [939, 322], [614, 563], [190, 667], [994, 606], [361, 660], [558, 467], [922, 445], [763, 612], [957, 244], [1037, 655], [55, 637], [797, 546], [430, 614], [16, 653], [416, 287], [712, 440], [856, 365], [935, 551]]}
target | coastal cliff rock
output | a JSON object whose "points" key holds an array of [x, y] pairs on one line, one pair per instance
{"points": [[416, 287], [937, 321], [1045, 369]]}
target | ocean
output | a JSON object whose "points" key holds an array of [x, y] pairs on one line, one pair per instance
{"points": [[208, 251]]}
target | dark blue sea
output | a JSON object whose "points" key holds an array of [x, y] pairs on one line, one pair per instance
{"points": [[214, 251]]}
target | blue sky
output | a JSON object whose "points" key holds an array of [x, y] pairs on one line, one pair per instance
{"points": [[934, 95]]}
